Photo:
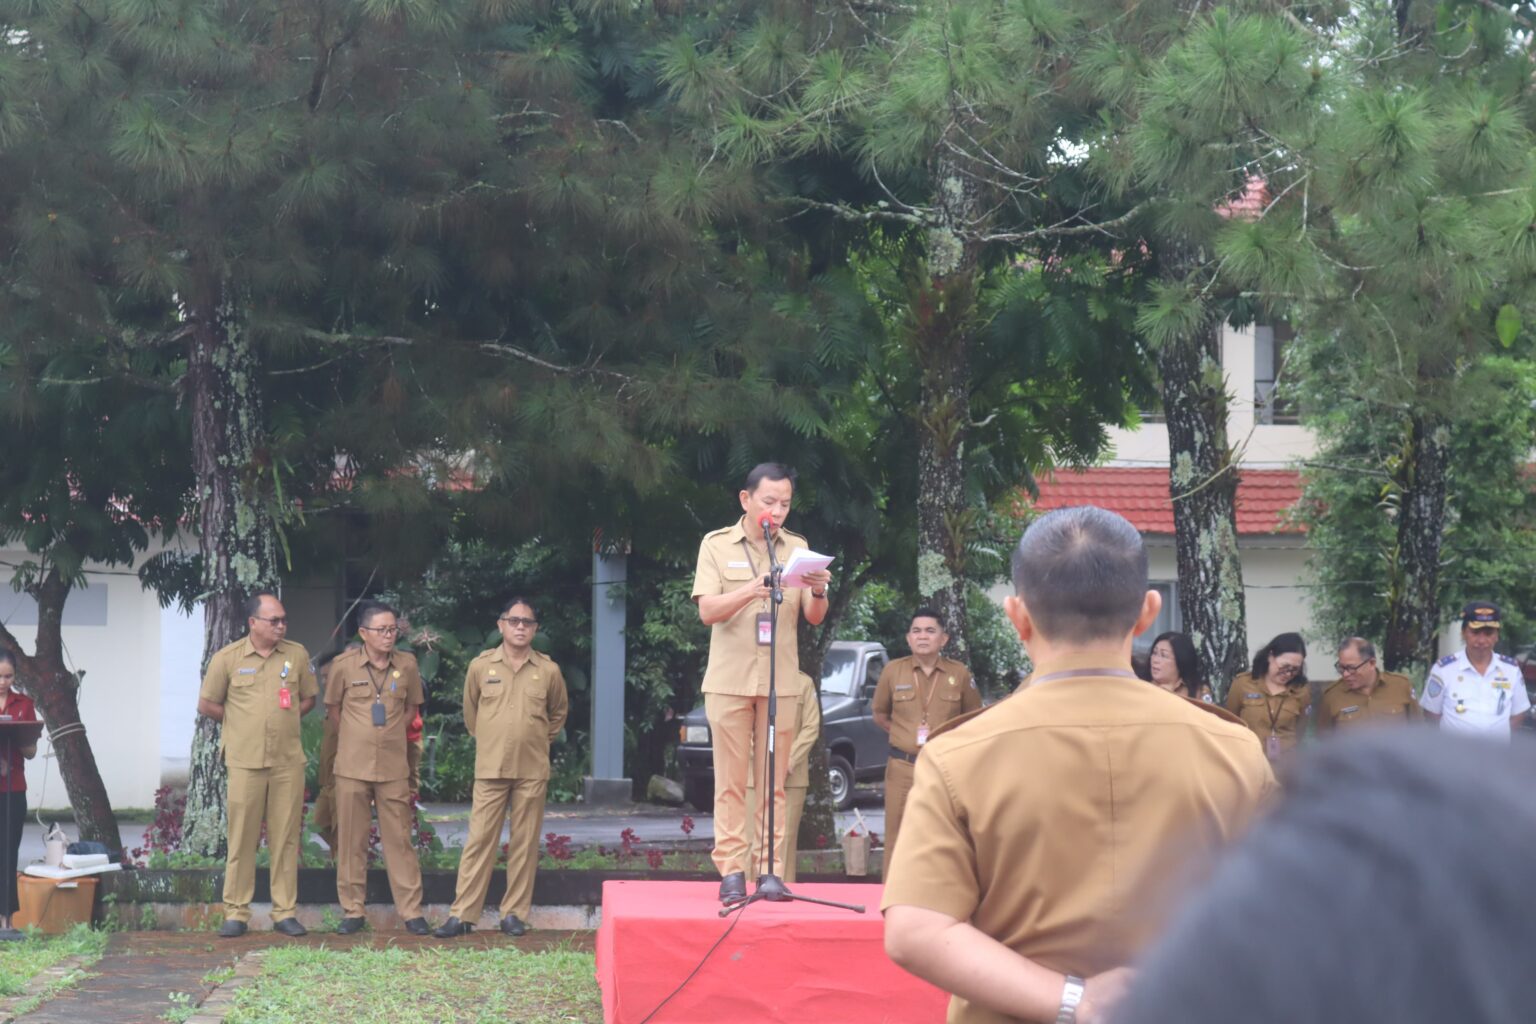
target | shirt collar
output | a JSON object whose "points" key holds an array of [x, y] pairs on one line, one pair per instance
{"points": [[1078, 662]]}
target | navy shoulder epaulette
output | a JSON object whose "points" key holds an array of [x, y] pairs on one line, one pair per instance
{"points": [[1445, 661], [1506, 659]]}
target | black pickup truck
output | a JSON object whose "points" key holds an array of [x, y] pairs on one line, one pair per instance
{"points": [[856, 746]]}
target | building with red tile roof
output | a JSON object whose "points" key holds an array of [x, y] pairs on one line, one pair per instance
{"points": [[1265, 497]]}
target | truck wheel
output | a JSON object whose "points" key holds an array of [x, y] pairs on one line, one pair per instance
{"points": [[841, 774], [700, 792]]}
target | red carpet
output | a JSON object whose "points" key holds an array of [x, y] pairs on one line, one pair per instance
{"points": [[791, 962]]}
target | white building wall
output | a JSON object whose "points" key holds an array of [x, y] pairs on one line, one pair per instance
{"points": [[1260, 446], [139, 663]]}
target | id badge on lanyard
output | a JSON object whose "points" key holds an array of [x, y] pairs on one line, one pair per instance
{"points": [[764, 629], [284, 695], [922, 734]]}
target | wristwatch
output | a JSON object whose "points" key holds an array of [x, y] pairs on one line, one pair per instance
{"points": [[1071, 995], [818, 593]]}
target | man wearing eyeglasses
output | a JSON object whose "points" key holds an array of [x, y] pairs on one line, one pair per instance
{"points": [[514, 706], [1476, 690], [371, 693], [259, 688], [1363, 693]]}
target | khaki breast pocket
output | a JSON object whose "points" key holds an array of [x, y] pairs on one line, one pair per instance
{"points": [[536, 699], [493, 692], [898, 695], [737, 575]]}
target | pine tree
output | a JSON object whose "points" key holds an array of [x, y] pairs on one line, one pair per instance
{"points": [[929, 137]]}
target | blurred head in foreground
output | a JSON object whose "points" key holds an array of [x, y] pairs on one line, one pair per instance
{"points": [[1388, 886]]}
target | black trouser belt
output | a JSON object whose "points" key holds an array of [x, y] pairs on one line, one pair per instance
{"points": [[902, 755]]}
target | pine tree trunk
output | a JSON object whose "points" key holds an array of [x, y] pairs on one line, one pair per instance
{"points": [[1413, 611], [942, 317], [1202, 482], [235, 531], [57, 693]]}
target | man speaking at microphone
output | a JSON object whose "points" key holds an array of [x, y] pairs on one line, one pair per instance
{"points": [[731, 590]]}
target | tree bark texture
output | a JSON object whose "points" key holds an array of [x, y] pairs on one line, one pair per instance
{"points": [[1413, 612], [1202, 481], [942, 318], [236, 536], [56, 690]]}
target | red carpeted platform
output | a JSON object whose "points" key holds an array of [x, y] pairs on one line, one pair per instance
{"points": [[792, 962]]}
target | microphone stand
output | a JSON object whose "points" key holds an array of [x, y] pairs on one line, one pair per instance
{"points": [[770, 886]]}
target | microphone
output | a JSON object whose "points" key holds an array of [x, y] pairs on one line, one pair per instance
{"points": [[766, 522]]}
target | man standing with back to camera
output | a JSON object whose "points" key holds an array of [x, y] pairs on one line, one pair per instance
{"points": [[735, 602], [1048, 838]]}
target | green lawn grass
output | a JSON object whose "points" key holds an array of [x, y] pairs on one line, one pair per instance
{"points": [[434, 986], [20, 962]]}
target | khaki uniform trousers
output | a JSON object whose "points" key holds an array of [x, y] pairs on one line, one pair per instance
{"points": [[898, 784], [784, 854], [354, 819], [325, 801], [738, 727], [493, 800], [274, 795]]}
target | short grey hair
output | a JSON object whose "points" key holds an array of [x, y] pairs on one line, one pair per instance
{"points": [[1082, 573]]}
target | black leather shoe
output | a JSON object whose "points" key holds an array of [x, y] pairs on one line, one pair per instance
{"points": [[418, 926], [733, 887], [453, 928], [513, 925], [350, 925], [232, 929], [290, 927]]}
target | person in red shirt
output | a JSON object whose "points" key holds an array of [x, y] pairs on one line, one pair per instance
{"points": [[13, 784]]}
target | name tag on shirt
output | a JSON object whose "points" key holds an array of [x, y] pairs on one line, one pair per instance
{"points": [[245, 671], [358, 682], [738, 565]]}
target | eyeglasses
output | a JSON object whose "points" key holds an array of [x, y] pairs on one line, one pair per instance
{"points": [[1286, 670], [518, 620], [1345, 670], [276, 620], [382, 630]]}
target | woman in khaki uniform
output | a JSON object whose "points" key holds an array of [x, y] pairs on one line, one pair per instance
{"points": [[1274, 700]]}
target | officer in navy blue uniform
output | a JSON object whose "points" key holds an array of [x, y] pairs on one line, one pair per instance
{"points": [[1476, 690]]}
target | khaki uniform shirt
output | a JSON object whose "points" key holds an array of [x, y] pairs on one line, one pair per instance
{"points": [[738, 664], [1391, 701], [911, 697], [1284, 715], [514, 717], [258, 731], [1068, 820], [363, 750]]}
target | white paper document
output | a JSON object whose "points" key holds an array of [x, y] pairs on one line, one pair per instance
{"points": [[802, 561]]}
